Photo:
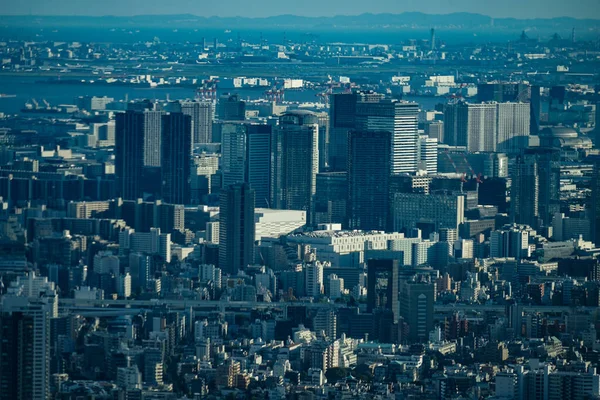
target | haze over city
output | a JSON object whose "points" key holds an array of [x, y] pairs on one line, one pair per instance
{"points": [[303, 200], [263, 8]]}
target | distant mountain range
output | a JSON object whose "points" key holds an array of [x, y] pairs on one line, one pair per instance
{"points": [[403, 21]]}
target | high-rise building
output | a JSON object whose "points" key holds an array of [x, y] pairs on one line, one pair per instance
{"points": [[428, 154], [231, 108], [428, 212], [503, 92], [513, 127], [535, 187], [129, 153], [595, 204], [236, 228], [382, 285], [331, 198], [25, 348], [258, 162], [342, 114], [246, 157], [369, 165], [176, 158], [202, 117], [400, 118], [295, 161], [341, 120], [233, 153], [417, 297], [471, 125], [323, 118], [535, 110], [313, 278]]}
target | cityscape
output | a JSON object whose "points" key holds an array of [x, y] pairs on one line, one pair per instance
{"points": [[387, 201]]}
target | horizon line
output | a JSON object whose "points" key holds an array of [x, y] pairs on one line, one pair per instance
{"points": [[292, 15]]}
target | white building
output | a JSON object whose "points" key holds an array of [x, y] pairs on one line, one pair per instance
{"points": [[105, 262], [275, 223], [336, 287]]}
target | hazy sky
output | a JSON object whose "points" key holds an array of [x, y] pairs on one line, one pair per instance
{"points": [[261, 8]]}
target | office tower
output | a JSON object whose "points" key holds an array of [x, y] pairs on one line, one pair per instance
{"points": [[202, 117], [417, 297], [246, 157], [323, 118], [401, 120], [535, 110], [129, 153], [503, 92], [231, 108], [25, 348], [336, 286], [471, 125], [369, 162], [341, 120], [382, 285], [313, 279], [513, 127], [236, 228], [331, 197], [428, 212], [510, 241], [428, 154], [258, 162], [233, 153], [595, 203], [176, 158], [295, 161], [342, 114], [535, 187], [435, 130], [495, 165], [525, 190]]}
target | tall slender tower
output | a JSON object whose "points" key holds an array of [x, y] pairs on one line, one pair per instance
{"points": [[202, 116], [295, 161], [236, 228], [25, 348], [400, 118], [176, 158], [368, 180], [129, 153]]}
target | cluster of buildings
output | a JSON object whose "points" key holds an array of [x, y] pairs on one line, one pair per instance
{"points": [[216, 248]]}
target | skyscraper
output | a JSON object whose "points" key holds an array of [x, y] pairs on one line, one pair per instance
{"points": [[513, 127], [231, 108], [595, 203], [535, 187], [400, 118], [236, 228], [258, 162], [471, 125], [428, 153], [341, 120], [233, 153], [176, 158], [417, 297], [25, 348], [295, 161], [246, 157], [524, 193], [382, 285], [202, 116], [342, 116], [129, 153], [369, 159]]}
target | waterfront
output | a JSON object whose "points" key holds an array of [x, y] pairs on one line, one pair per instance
{"points": [[27, 87]]}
